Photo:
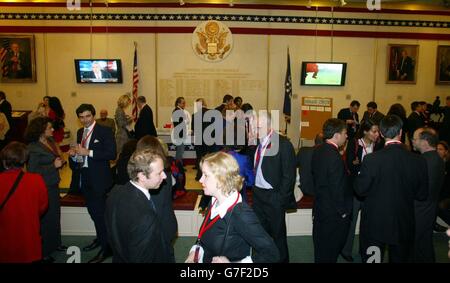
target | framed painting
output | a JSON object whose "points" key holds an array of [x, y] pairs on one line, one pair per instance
{"points": [[17, 59], [443, 65], [402, 63]]}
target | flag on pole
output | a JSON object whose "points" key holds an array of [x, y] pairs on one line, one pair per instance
{"points": [[135, 84], [4, 49], [287, 91]]}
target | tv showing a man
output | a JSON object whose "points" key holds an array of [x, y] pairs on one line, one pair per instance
{"points": [[97, 73]]}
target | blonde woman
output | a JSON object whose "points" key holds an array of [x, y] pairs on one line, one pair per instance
{"points": [[122, 121], [230, 232]]}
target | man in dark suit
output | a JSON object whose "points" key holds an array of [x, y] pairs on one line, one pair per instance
{"points": [[373, 113], [273, 193], [390, 180], [96, 147], [144, 124], [405, 68], [304, 159], [5, 108], [332, 195], [444, 131], [201, 149], [134, 227], [425, 141], [415, 119], [351, 118]]}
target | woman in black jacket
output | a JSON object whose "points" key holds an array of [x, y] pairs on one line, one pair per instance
{"points": [[230, 230], [357, 148]]}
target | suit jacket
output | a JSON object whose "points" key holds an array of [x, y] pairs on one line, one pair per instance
{"points": [[162, 198], [304, 159], [444, 131], [20, 217], [244, 232], [346, 114], [376, 117], [279, 170], [415, 121], [426, 210], [104, 149], [333, 196], [390, 180], [134, 228], [144, 124], [41, 162]]}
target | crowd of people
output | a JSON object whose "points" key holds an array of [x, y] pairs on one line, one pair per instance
{"points": [[391, 168]]}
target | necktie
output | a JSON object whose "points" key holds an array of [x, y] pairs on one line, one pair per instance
{"points": [[152, 204], [84, 141]]}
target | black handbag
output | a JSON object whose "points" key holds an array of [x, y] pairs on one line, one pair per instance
{"points": [[13, 189]]}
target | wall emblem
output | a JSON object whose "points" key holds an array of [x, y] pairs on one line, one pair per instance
{"points": [[212, 41]]}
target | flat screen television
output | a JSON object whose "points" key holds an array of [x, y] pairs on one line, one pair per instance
{"points": [[323, 73], [98, 70]]}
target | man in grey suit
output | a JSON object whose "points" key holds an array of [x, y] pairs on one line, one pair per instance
{"points": [[425, 141]]}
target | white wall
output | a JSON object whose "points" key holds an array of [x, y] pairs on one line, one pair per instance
{"points": [[259, 57]]}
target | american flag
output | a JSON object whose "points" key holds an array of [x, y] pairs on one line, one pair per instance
{"points": [[4, 48], [135, 84]]}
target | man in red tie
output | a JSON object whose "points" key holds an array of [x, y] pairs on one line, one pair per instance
{"points": [[273, 193]]}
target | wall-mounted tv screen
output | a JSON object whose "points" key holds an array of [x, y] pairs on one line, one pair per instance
{"points": [[323, 74], [98, 70]]}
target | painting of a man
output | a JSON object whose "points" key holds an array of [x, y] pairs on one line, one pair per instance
{"points": [[443, 65], [402, 63], [17, 58]]}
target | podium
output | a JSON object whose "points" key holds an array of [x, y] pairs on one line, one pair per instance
{"points": [[19, 124]]}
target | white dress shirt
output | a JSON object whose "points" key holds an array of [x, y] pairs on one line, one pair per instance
{"points": [[142, 189], [260, 182], [88, 140]]}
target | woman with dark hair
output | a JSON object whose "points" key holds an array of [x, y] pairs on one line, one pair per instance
{"points": [[357, 148], [57, 115], [23, 200], [399, 110], [45, 159]]}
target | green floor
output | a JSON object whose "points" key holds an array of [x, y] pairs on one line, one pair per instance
{"points": [[300, 248]]}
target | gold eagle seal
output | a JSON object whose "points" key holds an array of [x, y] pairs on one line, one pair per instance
{"points": [[212, 41]]}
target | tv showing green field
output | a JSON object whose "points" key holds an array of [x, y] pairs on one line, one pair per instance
{"points": [[323, 74]]}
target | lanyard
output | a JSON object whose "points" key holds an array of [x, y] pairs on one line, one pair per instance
{"points": [[392, 142], [333, 144], [364, 146], [83, 142], [205, 227]]}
